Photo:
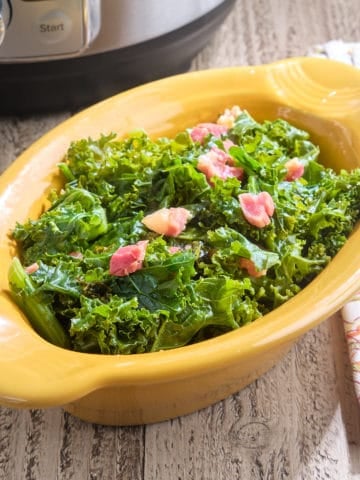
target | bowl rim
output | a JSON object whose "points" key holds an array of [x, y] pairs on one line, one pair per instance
{"points": [[84, 373]]}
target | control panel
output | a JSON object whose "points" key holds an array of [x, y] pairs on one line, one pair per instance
{"points": [[32, 30]]}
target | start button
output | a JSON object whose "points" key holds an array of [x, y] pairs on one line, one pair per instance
{"points": [[53, 27]]}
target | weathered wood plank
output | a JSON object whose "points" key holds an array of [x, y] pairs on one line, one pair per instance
{"points": [[286, 425], [17, 133]]}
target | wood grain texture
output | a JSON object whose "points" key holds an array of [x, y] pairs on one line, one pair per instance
{"points": [[299, 421]]}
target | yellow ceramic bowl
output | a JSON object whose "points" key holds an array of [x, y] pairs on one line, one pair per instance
{"points": [[318, 95]]}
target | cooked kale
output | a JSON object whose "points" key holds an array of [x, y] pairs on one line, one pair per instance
{"points": [[192, 286]]}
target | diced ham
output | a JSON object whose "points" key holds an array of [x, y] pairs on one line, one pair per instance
{"points": [[32, 268], [78, 255], [229, 116], [174, 249], [268, 203], [228, 144], [295, 169], [200, 131], [167, 221], [128, 259], [218, 163], [257, 208], [249, 265]]}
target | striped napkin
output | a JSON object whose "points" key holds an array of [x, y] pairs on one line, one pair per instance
{"points": [[347, 52], [351, 316]]}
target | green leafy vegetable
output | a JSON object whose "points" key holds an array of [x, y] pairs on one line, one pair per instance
{"points": [[36, 306], [193, 286]]}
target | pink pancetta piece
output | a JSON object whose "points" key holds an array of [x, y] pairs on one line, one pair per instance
{"points": [[200, 131], [34, 267], [228, 144], [167, 221], [249, 265], [295, 169], [229, 116], [78, 255], [174, 249], [218, 163], [128, 259], [257, 208]]}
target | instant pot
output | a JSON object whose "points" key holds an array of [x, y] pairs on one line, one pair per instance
{"points": [[66, 54]]}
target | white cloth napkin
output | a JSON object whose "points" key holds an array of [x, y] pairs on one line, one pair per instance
{"points": [[346, 52]]}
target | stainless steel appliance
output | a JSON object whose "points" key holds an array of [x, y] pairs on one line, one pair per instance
{"points": [[66, 54]]}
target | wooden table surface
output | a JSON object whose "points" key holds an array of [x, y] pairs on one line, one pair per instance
{"points": [[299, 421]]}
